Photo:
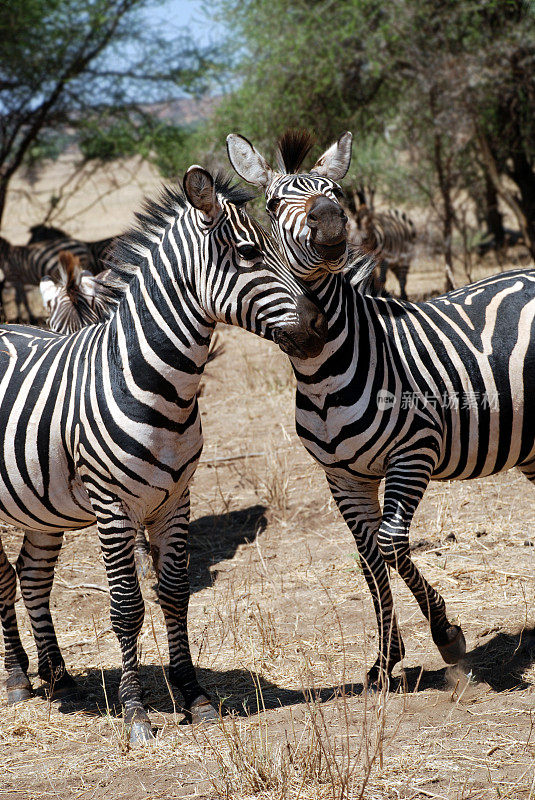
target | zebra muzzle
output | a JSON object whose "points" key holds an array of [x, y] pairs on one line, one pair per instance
{"points": [[306, 338]]}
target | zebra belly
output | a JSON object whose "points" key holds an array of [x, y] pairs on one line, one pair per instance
{"points": [[31, 499]]}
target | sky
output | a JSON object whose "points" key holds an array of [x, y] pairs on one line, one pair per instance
{"points": [[186, 13]]}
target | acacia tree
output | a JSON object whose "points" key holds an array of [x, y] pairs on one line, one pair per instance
{"points": [[446, 84], [84, 68]]}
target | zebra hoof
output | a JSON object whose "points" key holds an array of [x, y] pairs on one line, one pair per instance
{"points": [[202, 711], [455, 649], [19, 694], [141, 733]]}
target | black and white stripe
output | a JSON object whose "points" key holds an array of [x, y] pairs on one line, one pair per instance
{"points": [[409, 392], [76, 298], [304, 209], [101, 249], [104, 424]]}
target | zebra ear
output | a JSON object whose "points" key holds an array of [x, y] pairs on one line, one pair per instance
{"points": [[49, 291], [335, 161], [199, 188], [247, 161]]}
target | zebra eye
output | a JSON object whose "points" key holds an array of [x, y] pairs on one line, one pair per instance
{"points": [[249, 252], [338, 192], [272, 205]]}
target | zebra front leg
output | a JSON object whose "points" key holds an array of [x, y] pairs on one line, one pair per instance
{"points": [[35, 567], [360, 508], [16, 661], [404, 489], [168, 539], [127, 610]]}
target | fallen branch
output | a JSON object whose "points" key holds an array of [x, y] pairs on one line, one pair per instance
{"points": [[73, 587], [209, 461]]}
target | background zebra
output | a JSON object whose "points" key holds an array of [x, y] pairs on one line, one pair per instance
{"points": [[388, 237], [74, 298], [438, 390], [101, 250], [25, 265], [104, 424]]}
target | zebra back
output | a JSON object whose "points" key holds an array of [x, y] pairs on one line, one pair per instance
{"points": [[101, 249]]}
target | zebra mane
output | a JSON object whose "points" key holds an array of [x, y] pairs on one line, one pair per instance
{"points": [[292, 149], [157, 215], [359, 269]]}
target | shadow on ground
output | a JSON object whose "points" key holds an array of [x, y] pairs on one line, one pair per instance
{"points": [[500, 663], [216, 537]]}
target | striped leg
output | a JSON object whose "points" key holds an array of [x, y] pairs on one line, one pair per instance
{"points": [[168, 538], [16, 661], [127, 609], [35, 568], [404, 489], [360, 509]]}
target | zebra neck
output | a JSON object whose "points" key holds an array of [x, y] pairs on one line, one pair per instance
{"points": [[352, 345], [159, 339]]}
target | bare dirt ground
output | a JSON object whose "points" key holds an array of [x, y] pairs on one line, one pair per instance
{"points": [[282, 631]]}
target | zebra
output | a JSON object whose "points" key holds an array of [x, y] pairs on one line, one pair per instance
{"points": [[389, 237], [103, 425], [25, 265], [408, 392], [101, 250], [76, 298]]}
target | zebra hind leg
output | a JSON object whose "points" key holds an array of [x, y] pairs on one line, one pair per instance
{"points": [[361, 511], [403, 492], [168, 539], [35, 568], [16, 661]]}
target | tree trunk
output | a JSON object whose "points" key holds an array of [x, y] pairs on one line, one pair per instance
{"points": [[522, 174], [448, 213], [525, 225], [444, 181], [3, 197], [493, 216]]}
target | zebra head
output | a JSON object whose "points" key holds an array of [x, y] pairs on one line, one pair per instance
{"points": [[304, 210], [247, 282], [65, 297]]}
